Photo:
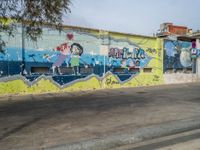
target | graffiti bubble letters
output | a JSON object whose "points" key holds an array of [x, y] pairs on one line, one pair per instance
{"points": [[115, 53], [125, 53], [139, 53]]}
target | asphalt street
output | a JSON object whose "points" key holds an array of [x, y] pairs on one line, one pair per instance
{"points": [[41, 121], [183, 141]]}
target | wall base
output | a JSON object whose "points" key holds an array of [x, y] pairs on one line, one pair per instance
{"points": [[177, 78]]}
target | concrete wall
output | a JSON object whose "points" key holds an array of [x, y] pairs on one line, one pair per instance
{"points": [[104, 60], [179, 66], [178, 78]]}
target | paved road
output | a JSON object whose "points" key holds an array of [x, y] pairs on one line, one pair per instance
{"points": [[183, 141], [41, 121], [189, 145]]}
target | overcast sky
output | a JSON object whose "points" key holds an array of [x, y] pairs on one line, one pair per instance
{"points": [[133, 16]]}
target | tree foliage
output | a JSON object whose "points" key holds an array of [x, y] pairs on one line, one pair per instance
{"points": [[32, 14]]}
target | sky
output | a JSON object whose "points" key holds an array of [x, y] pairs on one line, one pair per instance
{"points": [[133, 16]]}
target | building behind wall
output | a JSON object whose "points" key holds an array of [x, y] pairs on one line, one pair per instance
{"points": [[180, 59], [167, 29]]}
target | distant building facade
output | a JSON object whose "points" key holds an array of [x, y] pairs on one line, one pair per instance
{"points": [[180, 48], [167, 29]]}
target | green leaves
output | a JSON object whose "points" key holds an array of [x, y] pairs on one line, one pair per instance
{"points": [[2, 46], [33, 14], [7, 27]]}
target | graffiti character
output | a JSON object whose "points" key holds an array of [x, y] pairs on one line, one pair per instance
{"points": [[64, 50], [76, 52]]}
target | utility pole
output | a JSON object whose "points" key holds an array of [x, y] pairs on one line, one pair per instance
{"points": [[105, 43], [23, 50]]}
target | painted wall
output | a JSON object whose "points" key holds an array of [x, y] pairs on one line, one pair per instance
{"points": [[181, 62], [177, 55], [80, 59]]}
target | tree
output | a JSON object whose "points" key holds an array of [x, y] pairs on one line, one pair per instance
{"points": [[32, 14]]}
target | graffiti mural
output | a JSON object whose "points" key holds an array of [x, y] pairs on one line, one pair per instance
{"points": [[177, 55], [81, 56], [70, 54], [127, 58]]}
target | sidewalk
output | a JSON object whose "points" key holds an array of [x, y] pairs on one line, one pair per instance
{"points": [[53, 120]]}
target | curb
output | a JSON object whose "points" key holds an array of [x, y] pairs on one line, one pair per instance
{"points": [[138, 135]]}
